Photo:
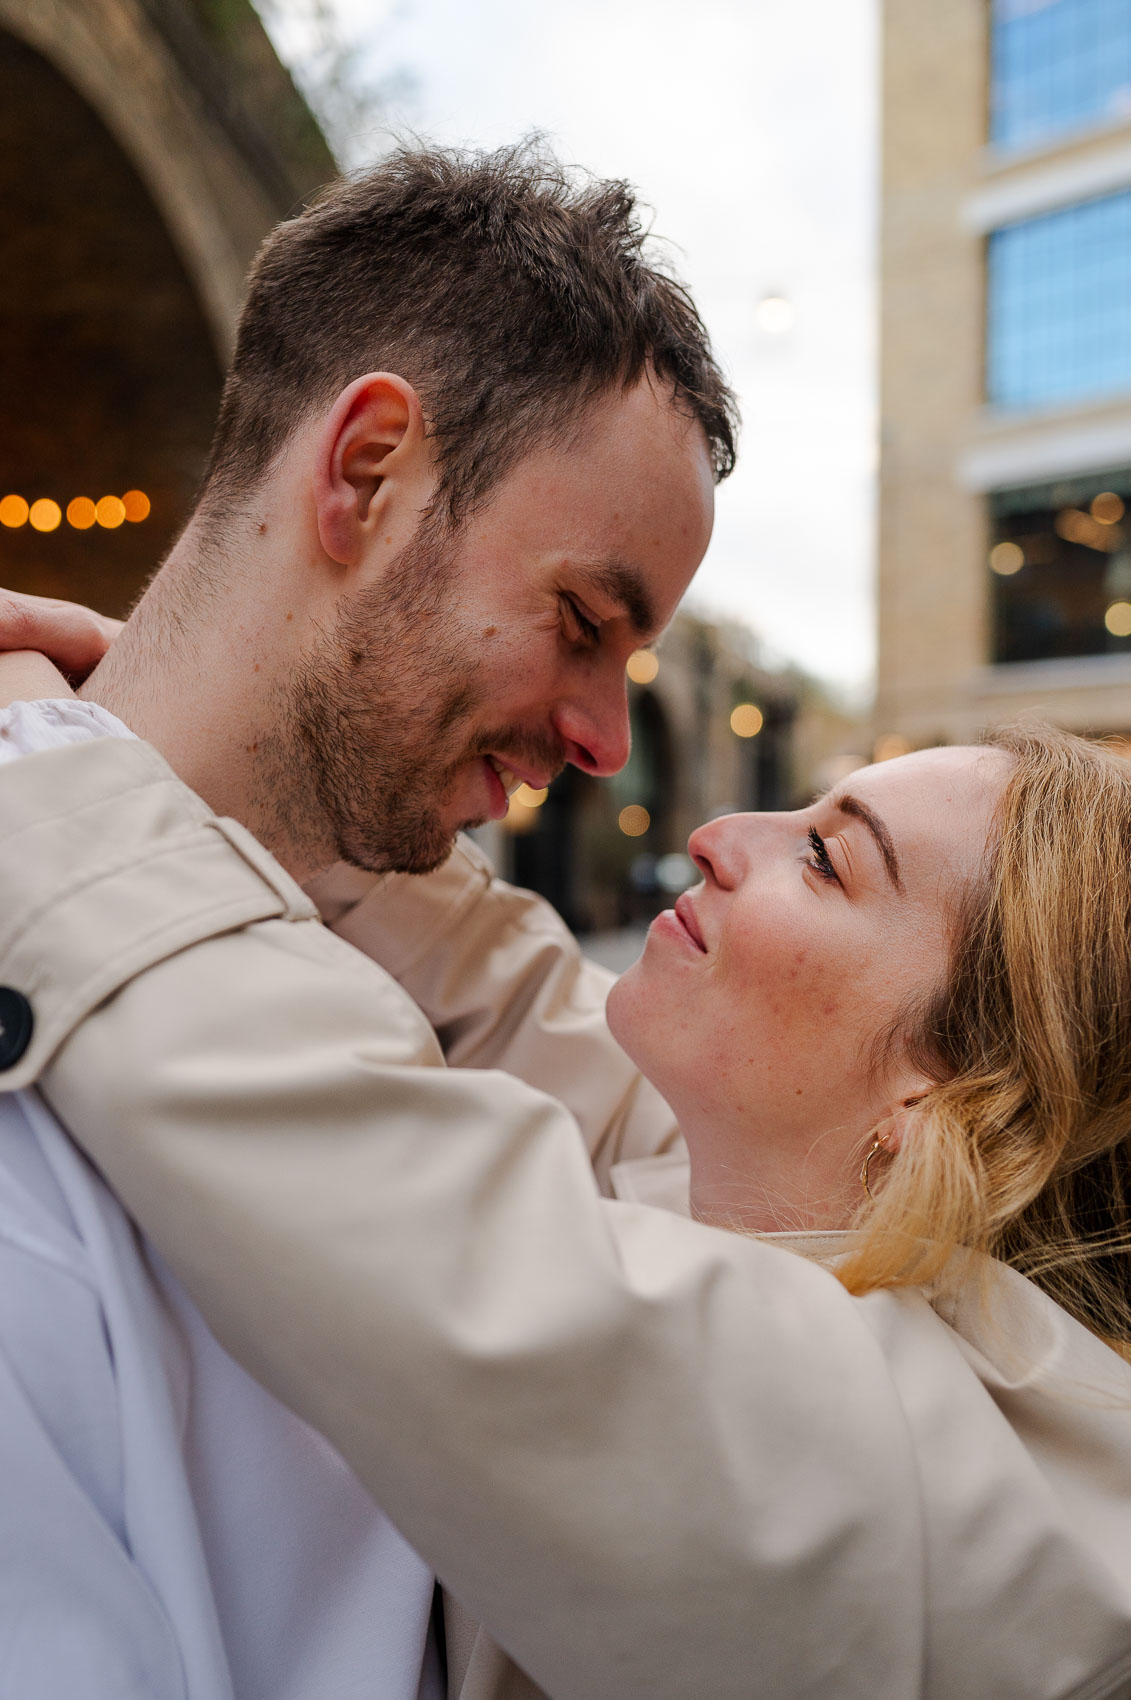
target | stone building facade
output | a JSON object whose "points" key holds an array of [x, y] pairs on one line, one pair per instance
{"points": [[146, 147], [1005, 565]]}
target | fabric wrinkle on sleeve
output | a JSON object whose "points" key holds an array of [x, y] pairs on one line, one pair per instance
{"points": [[505, 985]]}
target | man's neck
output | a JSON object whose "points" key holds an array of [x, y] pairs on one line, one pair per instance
{"points": [[198, 672]]}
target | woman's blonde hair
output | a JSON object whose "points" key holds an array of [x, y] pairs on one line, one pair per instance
{"points": [[1023, 1148]]}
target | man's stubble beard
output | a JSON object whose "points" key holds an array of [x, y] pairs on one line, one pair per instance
{"points": [[376, 728]]}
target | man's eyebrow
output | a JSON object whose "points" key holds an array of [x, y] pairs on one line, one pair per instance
{"points": [[624, 584], [849, 805]]}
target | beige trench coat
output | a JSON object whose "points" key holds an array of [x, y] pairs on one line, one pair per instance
{"points": [[660, 1461], [504, 986]]}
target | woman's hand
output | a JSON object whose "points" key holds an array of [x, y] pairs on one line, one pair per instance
{"points": [[73, 637]]}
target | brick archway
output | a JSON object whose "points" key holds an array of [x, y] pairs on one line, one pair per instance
{"points": [[143, 156], [110, 373]]}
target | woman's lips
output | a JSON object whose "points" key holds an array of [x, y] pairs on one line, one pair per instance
{"points": [[685, 914]]}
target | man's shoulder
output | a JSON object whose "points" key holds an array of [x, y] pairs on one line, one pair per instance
{"points": [[159, 873]]}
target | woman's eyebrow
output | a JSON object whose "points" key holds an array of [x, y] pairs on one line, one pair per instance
{"points": [[849, 805]]}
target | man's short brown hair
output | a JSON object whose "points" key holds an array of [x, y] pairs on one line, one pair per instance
{"points": [[508, 290]]}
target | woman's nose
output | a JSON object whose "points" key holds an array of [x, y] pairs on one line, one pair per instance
{"points": [[720, 848]]}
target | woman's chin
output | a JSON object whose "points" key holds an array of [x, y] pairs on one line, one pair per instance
{"points": [[623, 1012], [645, 1023]]}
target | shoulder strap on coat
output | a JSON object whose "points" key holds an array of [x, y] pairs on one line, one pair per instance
{"points": [[159, 872]]}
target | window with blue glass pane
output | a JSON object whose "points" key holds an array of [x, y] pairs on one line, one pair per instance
{"points": [[1057, 65], [1058, 306]]}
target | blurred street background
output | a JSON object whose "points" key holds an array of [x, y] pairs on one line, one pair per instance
{"points": [[907, 224]]}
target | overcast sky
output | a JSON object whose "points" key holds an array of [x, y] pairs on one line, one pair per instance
{"points": [[749, 126]]}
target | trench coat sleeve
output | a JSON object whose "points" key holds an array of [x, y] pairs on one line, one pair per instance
{"points": [[504, 984]]}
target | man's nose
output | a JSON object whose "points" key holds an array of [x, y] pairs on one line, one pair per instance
{"points": [[595, 728]]}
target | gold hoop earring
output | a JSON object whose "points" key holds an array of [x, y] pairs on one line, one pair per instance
{"points": [[878, 1144]]}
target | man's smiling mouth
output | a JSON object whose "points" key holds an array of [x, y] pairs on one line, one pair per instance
{"points": [[507, 776]]}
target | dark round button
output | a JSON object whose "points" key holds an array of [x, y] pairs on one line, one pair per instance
{"points": [[16, 1023]]}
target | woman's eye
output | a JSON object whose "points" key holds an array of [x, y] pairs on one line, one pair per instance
{"points": [[821, 862], [580, 629]]}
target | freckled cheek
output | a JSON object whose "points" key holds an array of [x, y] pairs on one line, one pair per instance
{"points": [[773, 972]]}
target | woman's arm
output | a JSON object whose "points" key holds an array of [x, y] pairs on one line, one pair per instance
{"points": [[504, 984], [27, 676], [46, 646], [74, 638]]}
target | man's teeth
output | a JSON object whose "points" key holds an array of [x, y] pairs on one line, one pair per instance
{"points": [[509, 780]]}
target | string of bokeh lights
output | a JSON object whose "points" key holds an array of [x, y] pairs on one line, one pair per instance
{"points": [[81, 513]]}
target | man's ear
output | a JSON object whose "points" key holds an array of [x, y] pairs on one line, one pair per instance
{"points": [[372, 443]]}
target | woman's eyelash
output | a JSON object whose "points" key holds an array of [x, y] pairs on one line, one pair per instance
{"points": [[588, 629], [822, 862]]}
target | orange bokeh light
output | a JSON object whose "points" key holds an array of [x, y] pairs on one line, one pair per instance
{"points": [[13, 511], [45, 515], [110, 512], [1107, 507], [642, 667], [81, 513], [137, 505], [746, 720], [634, 821]]}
